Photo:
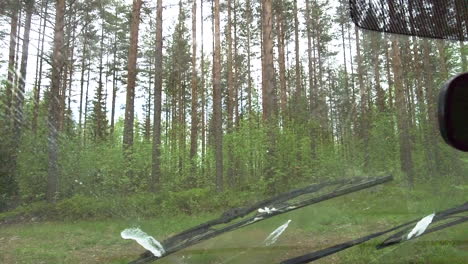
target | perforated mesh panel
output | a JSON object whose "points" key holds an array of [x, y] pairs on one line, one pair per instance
{"points": [[446, 19]]}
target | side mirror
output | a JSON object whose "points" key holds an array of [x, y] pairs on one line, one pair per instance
{"points": [[453, 112]]}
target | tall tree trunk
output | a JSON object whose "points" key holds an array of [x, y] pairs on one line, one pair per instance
{"points": [[230, 75], [71, 71], [267, 70], [85, 131], [281, 58], [217, 101], [11, 62], [39, 64], [345, 61], [353, 87], [54, 104], [312, 84], [19, 98], [194, 123], [17, 50], [147, 129], [156, 158], [417, 66], [83, 70], [364, 102], [114, 80], [402, 118], [132, 74], [203, 93], [64, 82], [249, 63], [98, 111], [380, 92], [230, 90], [346, 126], [268, 92], [299, 94], [421, 106], [431, 103], [236, 70], [389, 74]]}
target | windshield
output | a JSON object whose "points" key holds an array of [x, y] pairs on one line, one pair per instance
{"points": [[209, 131]]}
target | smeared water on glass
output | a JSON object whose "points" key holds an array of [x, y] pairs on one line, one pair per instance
{"points": [[146, 241]]}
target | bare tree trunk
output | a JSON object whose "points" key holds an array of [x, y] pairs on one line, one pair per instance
{"points": [[19, 98], [281, 57], [230, 90], [431, 103], [299, 94], [71, 73], [11, 62], [353, 87], [54, 104], [98, 111], [236, 70], [267, 70], [64, 82], [378, 88], [363, 92], [147, 130], [17, 50], [203, 93], [86, 106], [217, 101], [389, 74], [268, 88], [156, 158], [419, 84], [132, 73], [194, 125], [114, 80], [249, 63], [346, 122], [345, 61], [39, 64], [404, 135], [83, 70], [421, 106], [230, 75], [312, 81]]}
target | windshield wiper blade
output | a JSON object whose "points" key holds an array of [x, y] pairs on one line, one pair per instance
{"points": [[283, 202], [394, 239]]}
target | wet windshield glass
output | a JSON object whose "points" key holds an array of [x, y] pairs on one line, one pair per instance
{"points": [[237, 131]]}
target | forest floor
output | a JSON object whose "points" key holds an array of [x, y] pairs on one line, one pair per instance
{"points": [[312, 228]]}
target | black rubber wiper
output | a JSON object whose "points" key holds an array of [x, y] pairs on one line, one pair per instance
{"points": [[279, 204], [394, 239]]}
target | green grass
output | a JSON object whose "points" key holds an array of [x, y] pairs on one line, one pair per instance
{"points": [[312, 228]]}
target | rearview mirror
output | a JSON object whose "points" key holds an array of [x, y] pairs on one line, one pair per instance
{"points": [[453, 112]]}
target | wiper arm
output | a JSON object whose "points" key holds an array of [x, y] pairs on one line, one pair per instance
{"points": [[394, 239], [284, 203]]}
